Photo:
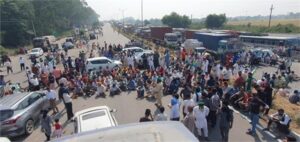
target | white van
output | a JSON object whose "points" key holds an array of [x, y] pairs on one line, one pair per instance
{"points": [[94, 118], [103, 63], [159, 131]]}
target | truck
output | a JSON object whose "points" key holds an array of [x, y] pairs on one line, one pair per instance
{"points": [[211, 40], [157, 34], [173, 39]]}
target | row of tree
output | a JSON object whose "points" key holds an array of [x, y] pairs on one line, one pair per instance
{"points": [[21, 20], [177, 21]]}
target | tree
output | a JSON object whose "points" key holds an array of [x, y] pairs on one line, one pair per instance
{"points": [[18, 17], [215, 21], [146, 22], [16, 22], [175, 20]]}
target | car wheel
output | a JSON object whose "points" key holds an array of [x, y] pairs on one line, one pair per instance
{"points": [[116, 67], [29, 126]]}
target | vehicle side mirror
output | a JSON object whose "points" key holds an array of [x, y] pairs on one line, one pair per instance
{"points": [[43, 94], [113, 110]]}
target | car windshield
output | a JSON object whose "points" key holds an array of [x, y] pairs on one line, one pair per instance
{"points": [[35, 50], [93, 115], [171, 38]]}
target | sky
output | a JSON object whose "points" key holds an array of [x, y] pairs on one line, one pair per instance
{"points": [[114, 9]]}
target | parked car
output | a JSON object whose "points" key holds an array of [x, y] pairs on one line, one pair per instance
{"points": [[133, 49], [102, 62], [37, 52], [200, 50], [139, 55], [70, 39], [19, 113], [92, 36], [94, 118], [68, 45]]}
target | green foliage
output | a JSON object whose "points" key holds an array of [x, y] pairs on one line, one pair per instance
{"points": [[15, 22], [48, 17], [146, 22], [175, 20], [197, 25], [215, 21], [289, 28]]}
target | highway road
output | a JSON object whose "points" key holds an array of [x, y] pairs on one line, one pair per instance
{"points": [[129, 109]]}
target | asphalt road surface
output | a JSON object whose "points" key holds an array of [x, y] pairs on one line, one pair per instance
{"points": [[129, 109]]}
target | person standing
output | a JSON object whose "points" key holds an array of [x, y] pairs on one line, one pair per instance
{"points": [[57, 129], [68, 104], [175, 108], [214, 107], [57, 74], [188, 102], [226, 121], [254, 106], [201, 112], [51, 96], [7, 63], [51, 79], [158, 91], [22, 63], [189, 120], [46, 122]]}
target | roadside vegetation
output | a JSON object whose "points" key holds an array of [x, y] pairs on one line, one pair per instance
{"points": [[22, 20]]}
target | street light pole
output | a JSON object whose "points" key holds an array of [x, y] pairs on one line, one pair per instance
{"points": [[142, 13]]}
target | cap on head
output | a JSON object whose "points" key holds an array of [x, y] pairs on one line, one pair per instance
{"points": [[201, 103]]}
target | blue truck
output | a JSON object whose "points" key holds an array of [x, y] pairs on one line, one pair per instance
{"points": [[211, 40]]}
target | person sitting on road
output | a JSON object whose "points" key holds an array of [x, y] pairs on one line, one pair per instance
{"points": [[295, 97], [281, 119], [161, 116], [114, 90], [147, 117]]}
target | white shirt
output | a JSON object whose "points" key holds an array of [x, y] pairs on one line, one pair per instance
{"points": [[161, 117], [45, 69], [186, 104], [200, 116], [7, 63], [51, 94], [34, 81], [67, 98], [225, 74], [21, 61], [195, 98], [63, 81]]}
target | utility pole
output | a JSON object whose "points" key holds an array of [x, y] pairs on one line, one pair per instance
{"points": [[271, 9], [142, 13], [142, 18], [33, 28]]}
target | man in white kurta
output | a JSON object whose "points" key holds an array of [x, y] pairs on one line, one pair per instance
{"points": [[200, 113]]}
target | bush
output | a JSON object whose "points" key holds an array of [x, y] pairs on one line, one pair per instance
{"points": [[297, 119]]}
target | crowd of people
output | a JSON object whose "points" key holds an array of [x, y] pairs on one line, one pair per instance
{"points": [[202, 86]]}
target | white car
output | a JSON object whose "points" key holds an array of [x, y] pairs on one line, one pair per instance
{"points": [[102, 62], [138, 56], [94, 118], [133, 49], [37, 52]]}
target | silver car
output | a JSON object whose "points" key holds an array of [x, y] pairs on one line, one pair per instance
{"points": [[19, 112]]}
